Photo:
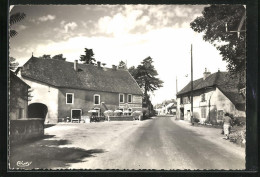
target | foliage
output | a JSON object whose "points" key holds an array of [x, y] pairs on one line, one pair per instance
{"points": [[231, 47], [145, 75], [58, 57], [196, 120], [88, 58], [13, 64], [14, 18], [238, 137], [46, 56], [122, 65]]}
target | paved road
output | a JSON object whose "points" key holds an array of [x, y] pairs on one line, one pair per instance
{"points": [[161, 143]]}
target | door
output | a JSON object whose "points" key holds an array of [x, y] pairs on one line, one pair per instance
{"points": [[182, 113], [76, 114]]}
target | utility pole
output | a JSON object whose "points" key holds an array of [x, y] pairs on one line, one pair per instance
{"points": [[176, 87], [191, 99]]}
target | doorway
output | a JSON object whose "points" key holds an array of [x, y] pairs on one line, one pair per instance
{"points": [[37, 110], [76, 114], [182, 113]]}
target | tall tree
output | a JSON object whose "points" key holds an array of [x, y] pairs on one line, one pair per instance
{"points": [[88, 58], [217, 22], [58, 57], [145, 75], [14, 18]]}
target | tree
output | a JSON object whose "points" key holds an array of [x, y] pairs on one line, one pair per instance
{"points": [[46, 56], [58, 57], [122, 65], [14, 18], [145, 75], [213, 23], [12, 64], [88, 58]]}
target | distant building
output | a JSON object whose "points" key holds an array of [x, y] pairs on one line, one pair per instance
{"points": [[213, 95], [65, 89], [18, 107]]}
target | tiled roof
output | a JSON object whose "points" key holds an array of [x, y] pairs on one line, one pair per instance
{"points": [[221, 80], [15, 78], [62, 74]]}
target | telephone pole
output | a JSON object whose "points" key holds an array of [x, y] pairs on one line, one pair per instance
{"points": [[191, 99]]}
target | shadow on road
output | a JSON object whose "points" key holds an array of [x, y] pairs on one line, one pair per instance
{"points": [[46, 154]]}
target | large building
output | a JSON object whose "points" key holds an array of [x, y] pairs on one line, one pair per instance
{"points": [[213, 95], [63, 89]]}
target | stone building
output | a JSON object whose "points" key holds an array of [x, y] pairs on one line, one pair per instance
{"points": [[18, 98], [65, 89], [213, 95]]}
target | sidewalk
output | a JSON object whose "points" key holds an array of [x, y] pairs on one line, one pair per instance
{"points": [[213, 135]]}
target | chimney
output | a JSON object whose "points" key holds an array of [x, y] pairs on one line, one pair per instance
{"points": [[114, 67], [76, 65], [206, 74], [99, 64]]}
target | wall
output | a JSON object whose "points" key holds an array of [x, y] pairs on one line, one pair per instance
{"points": [[18, 98], [84, 100], [215, 100], [25, 129], [223, 103], [47, 95], [121, 118]]}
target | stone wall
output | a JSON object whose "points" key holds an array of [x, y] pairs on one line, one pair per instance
{"points": [[121, 118], [25, 129]]}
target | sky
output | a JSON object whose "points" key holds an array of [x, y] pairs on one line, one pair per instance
{"points": [[120, 32]]}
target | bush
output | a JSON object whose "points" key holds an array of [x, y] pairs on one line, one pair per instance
{"points": [[238, 137], [196, 120]]}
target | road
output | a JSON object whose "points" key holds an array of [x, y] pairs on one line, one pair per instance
{"points": [[157, 143], [161, 143]]}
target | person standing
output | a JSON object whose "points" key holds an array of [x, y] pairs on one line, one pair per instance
{"points": [[227, 121]]}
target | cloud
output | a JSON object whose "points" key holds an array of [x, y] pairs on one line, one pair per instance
{"points": [[70, 26], [21, 27], [47, 17]]}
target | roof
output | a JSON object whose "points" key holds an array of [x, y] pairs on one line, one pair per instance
{"points": [[15, 78], [223, 81], [88, 77]]}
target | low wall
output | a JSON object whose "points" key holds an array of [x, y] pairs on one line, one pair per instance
{"points": [[24, 129], [121, 118]]}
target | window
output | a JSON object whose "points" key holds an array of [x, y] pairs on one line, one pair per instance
{"points": [[220, 114], [186, 100], [69, 98], [129, 98], [121, 98], [203, 112], [96, 99], [203, 97]]}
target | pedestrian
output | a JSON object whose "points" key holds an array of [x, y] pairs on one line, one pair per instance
{"points": [[227, 121]]}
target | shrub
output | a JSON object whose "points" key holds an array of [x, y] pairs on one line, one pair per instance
{"points": [[196, 120], [238, 137]]}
